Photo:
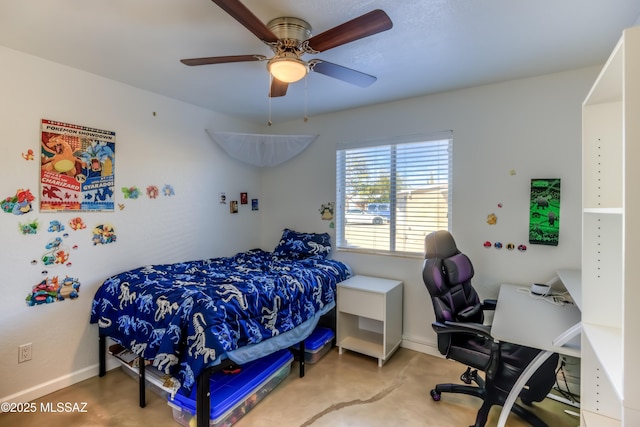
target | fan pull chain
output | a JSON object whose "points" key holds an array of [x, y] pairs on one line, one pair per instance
{"points": [[270, 81], [306, 118]]}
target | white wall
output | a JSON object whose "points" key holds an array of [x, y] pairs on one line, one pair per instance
{"points": [[168, 148], [531, 126]]}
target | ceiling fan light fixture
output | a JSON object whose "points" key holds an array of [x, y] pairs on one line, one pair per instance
{"points": [[287, 69]]}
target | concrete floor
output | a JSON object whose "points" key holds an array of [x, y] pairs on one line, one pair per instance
{"points": [[339, 390]]}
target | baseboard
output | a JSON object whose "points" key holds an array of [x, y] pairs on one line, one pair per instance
{"points": [[56, 384], [420, 345]]}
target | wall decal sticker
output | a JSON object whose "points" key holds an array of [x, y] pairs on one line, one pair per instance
{"points": [[77, 223], [55, 226], [167, 190], [103, 234], [57, 253], [29, 227], [326, 211], [131, 192], [52, 290], [152, 191], [492, 219], [19, 204], [29, 155]]}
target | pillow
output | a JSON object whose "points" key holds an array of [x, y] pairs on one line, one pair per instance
{"points": [[303, 245]]}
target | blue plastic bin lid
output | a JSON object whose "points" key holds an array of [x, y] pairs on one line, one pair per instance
{"points": [[319, 337], [229, 389]]}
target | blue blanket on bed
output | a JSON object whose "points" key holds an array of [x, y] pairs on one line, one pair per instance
{"points": [[188, 316]]}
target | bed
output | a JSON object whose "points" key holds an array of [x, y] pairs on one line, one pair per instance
{"points": [[193, 317]]}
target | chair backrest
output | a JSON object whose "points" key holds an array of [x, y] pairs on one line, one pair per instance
{"points": [[447, 275]]}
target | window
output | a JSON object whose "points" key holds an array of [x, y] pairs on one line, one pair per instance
{"points": [[391, 193]]}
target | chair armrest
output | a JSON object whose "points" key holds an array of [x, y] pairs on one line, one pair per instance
{"points": [[462, 327], [470, 314], [489, 304]]}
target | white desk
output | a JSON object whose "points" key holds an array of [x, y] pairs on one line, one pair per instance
{"points": [[530, 321], [533, 322], [572, 281]]}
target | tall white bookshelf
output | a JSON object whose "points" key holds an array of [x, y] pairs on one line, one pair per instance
{"points": [[610, 385]]}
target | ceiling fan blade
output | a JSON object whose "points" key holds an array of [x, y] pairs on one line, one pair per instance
{"points": [[278, 88], [366, 25], [342, 73], [240, 13], [222, 59]]}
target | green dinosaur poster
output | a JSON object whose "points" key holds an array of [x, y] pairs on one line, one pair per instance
{"points": [[544, 212]]}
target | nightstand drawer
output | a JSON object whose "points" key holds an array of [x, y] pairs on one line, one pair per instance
{"points": [[360, 303]]}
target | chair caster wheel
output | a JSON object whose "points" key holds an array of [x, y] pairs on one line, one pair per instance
{"points": [[435, 395]]}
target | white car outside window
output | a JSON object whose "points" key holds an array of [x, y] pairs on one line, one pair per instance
{"points": [[358, 216]]}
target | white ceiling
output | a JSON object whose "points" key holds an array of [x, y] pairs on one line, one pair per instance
{"points": [[434, 46]]}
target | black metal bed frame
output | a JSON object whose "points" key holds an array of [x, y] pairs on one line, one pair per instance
{"points": [[203, 393]]}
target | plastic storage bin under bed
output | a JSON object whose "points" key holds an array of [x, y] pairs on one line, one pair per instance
{"points": [[233, 395], [316, 345]]}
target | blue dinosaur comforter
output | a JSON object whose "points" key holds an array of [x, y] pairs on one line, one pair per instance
{"points": [[190, 315]]}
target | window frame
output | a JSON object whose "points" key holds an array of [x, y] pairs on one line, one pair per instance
{"points": [[341, 204]]}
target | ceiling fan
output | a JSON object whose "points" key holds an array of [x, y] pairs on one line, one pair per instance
{"points": [[289, 38]]}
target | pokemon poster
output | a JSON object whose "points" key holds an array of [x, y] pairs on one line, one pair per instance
{"points": [[77, 168]]}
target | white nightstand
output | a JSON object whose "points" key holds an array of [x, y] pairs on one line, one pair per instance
{"points": [[369, 316]]}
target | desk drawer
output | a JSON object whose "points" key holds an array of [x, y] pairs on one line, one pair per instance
{"points": [[361, 303]]}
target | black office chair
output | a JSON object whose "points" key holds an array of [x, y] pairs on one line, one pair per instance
{"points": [[463, 337]]}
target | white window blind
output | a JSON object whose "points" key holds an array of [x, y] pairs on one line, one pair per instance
{"points": [[391, 193]]}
